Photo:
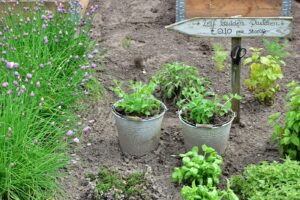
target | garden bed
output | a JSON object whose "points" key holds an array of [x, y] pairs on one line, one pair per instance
{"points": [[137, 45]]}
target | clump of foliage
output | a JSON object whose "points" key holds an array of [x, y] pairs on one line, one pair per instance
{"points": [[200, 109], [265, 72], [45, 72], [201, 175], [175, 77], [139, 101], [276, 49], [273, 181], [112, 185], [207, 192], [288, 135], [202, 169], [220, 56]]}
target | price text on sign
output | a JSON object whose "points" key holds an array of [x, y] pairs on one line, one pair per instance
{"points": [[235, 27]]}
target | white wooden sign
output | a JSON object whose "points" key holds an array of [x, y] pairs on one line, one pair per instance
{"points": [[235, 27]]}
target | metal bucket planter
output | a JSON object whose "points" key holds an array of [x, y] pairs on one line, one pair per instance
{"points": [[213, 136], [139, 136]]}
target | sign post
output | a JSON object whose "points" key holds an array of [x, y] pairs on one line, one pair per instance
{"points": [[236, 77], [209, 18]]}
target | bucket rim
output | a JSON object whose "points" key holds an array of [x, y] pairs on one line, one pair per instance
{"points": [[141, 120], [213, 127]]}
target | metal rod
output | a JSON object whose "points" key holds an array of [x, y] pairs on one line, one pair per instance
{"points": [[236, 80]]}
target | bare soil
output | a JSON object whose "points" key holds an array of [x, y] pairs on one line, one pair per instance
{"points": [[151, 46]]}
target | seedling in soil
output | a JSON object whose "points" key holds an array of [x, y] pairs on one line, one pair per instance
{"points": [[139, 101], [175, 77], [111, 184], [275, 49], [126, 42], [200, 109], [220, 56], [201, 169], [288, 135], [202, 173], [265, 72], [206, 192]]}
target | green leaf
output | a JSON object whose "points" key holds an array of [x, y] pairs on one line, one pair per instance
{"points": [[177, 176], [209, 182], [265, 60], [295, 140], [195, 149], [247, 61], [207, 149], [285, 141], [237, 97], [273, 118], [287, 133], [186, 160], [194, 171], [233, 196], [292, 154]]}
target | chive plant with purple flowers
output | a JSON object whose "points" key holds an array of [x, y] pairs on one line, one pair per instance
{"points": [[42, 82]]}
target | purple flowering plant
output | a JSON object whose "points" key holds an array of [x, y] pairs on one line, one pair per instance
{"points": [[42, 83]]}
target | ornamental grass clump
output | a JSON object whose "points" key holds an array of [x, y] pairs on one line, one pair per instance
{"points": [[42, 81]]}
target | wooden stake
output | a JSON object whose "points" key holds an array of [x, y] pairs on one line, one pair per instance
{"points": [[236, 80]]}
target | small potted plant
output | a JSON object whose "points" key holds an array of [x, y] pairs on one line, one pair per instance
{"points": [[138, 118], [206, 120]]}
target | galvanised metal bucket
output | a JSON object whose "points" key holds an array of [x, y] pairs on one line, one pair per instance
{"points": [[139, 137], [215, 137]]}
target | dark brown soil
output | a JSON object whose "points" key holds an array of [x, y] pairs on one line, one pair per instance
{"points": [[151, 46]]}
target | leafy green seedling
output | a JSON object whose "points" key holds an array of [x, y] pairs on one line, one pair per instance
{"points": [[112, 183], [133, 180], [199, 109], [175, 77], [220, 56], [139, 102], [207, 192], [288, 135], [265, 72], [202, 169], [126, 42], [203, 173], [276, 49], [108, 179]]}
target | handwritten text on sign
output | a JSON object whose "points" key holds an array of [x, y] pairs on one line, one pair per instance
{"points": [[235, 27]]}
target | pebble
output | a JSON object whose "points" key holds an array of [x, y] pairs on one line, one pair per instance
{"points": [[242, 124]]}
